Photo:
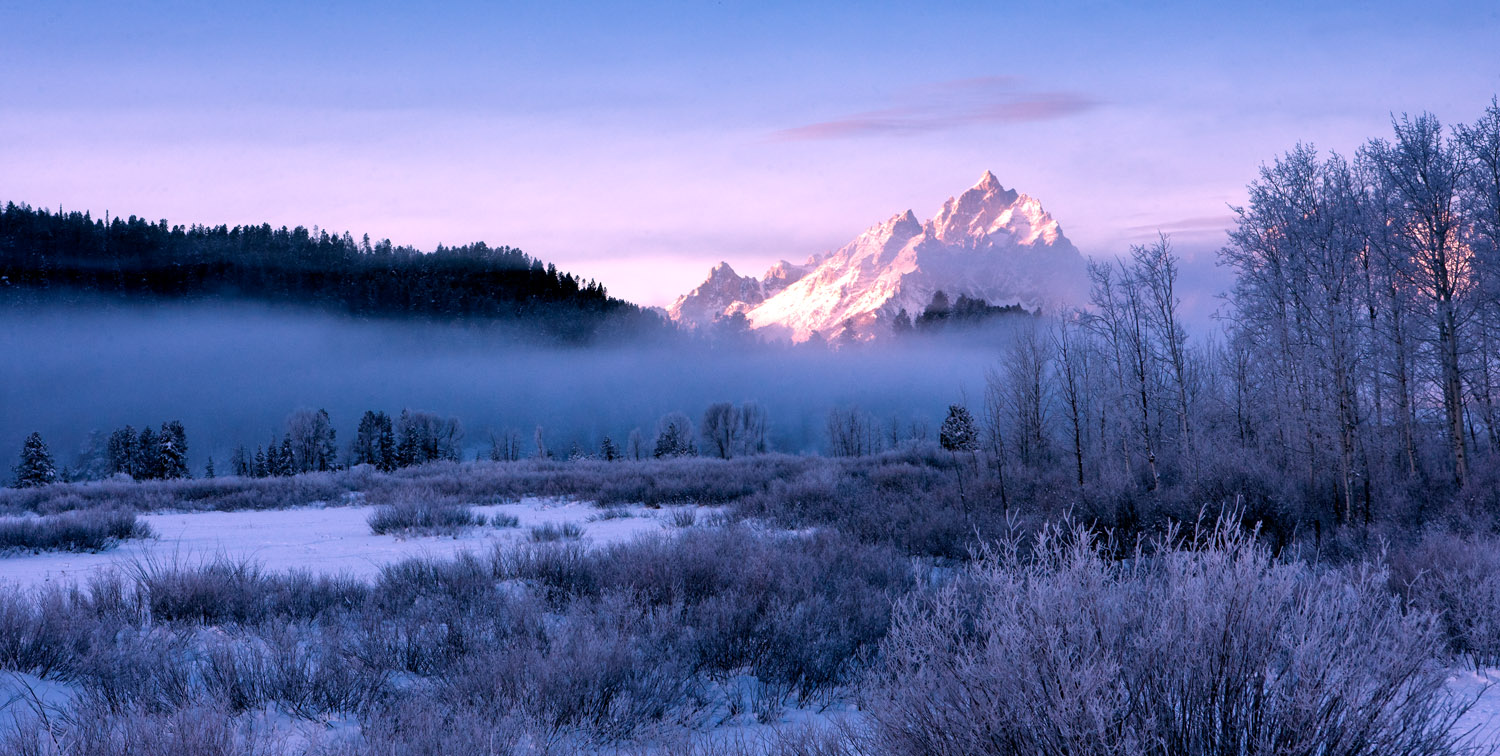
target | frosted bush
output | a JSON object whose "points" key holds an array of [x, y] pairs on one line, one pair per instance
{"points": [[1205, 648]]}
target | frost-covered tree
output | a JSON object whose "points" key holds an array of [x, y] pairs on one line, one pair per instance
{"points": [[505, 446], [754, 429], [423, 437], [374, 442], [674, 437], [172, 451], [635, 445], [1419, 174], [241, 463], [279, 459], [852, 432], [314, 447], [149, 446], [36, 467], [608, 451], [92, 461], [124, 453], [957, 433], [721, 430]]}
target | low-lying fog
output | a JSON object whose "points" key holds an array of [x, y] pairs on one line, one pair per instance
{"points": [[232, 372]]}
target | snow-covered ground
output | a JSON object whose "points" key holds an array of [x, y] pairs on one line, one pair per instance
{"points": [[326, 540], [1482, 721]]}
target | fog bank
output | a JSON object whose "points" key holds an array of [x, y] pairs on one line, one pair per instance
{"points": [[233, 372]]}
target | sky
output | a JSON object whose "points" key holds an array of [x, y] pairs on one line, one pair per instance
{"points": [[641, 143]]}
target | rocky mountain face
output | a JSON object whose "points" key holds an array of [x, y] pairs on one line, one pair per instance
{"points": [[988, 243]]}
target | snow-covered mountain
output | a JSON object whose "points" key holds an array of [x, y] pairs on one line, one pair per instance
{"points": [[988, 243]]}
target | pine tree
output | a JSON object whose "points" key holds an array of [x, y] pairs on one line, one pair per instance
{"points": [[374, 442], [286, 459], [674, 437], [608, 451], [386, 445], [148, 448], [208, 469], [93, 459], [410, 440], [240, 463], [260, 470], [901, 325], [328, 447], [957, 433], [172, 443], [36, 467], [124, 452]]}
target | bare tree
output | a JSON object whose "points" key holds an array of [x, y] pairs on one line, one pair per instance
{"points": [[852, 433], [1026, 379], [1156, 270], [505, 446], [721, 430], [1072, 368], [1421, 171], [635, 445]]}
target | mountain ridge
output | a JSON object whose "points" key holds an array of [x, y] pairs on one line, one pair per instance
{"points": [[988, 242]]}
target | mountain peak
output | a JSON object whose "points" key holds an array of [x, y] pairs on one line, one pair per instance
{"points": [[988, 243]]}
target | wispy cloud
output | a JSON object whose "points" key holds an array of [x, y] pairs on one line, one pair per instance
{"points": [[1204, 224], [949, 105]]}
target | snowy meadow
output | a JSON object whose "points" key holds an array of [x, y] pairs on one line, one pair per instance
{"points": [[761, 604]]}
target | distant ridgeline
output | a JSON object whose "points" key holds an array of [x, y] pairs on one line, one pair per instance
{"points": [[43, 251]]}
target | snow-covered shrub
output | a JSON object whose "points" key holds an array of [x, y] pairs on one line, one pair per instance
{"points": [[606, 670], [411, 514], [424, 726], [551, 531], [1456, 578], [1207, 648], [196, 730], [90, 530], [212, 592], [803, 612]]}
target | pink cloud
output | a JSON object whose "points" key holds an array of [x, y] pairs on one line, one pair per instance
{"points": [[949, 105]]}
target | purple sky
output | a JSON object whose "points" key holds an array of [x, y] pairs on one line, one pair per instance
{"points": [[641, 143]]}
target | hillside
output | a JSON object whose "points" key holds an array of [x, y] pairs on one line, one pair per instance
{"points": [[45, 253]]}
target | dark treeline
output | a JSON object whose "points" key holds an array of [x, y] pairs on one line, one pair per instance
{"points": [[45, 251], [310, 444], [941, 313]]}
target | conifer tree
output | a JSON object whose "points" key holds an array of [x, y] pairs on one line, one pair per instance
{"points": [[240, 463], [172, 451], [148, 447], [36, 467], [286, 459], [374, 442], [124, 452]]}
